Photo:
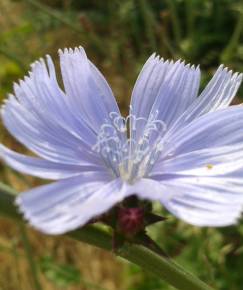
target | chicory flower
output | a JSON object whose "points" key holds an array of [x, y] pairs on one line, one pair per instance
{"points": [[176, 146]]}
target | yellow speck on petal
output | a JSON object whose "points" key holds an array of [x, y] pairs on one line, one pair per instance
{"points": [[209, 166]]}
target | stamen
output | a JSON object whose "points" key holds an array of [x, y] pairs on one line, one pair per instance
{"points": [[130, 146]]}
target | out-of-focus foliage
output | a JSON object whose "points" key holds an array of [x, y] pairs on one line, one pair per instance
{"points": [[118, 36]]}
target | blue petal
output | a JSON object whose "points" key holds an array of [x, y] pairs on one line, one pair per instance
{"points": [[69, 203], [40, 119], [164, 89], [44, 168], [217, 173], [90, 97], [204, 201], [216, 129], [202, 167], [41, 95], [146, 188], [177, 92], [218, 94], [208, 161], [196, 200], [43, 136]]}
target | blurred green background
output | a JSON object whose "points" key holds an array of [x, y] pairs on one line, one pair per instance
{"points": [[118, 37]]}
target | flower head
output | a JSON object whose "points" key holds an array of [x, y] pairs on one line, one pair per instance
{"points": [[176, 146]]}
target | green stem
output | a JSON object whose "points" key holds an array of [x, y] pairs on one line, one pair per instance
{"points": [[54, 14], [71, 24], [149, 21], [12, 57], [175, 21], [16, 261], [28, 252], [229, 51], [7, 208], [162, 267], [143, 257], [190, 15]]}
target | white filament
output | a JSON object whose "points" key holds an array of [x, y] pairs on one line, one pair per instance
{"points": [[130, 146]]}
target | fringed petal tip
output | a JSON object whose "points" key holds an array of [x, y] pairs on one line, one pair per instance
{"points": [[154, 57], [27, 217], [72, 51], [47, 60], [1, 151], [67, 205]]}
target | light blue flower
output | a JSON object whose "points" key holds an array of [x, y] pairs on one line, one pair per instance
{"points": [[181, 149]]}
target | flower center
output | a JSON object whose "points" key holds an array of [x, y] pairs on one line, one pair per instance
{"points": [[130, 146]]}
